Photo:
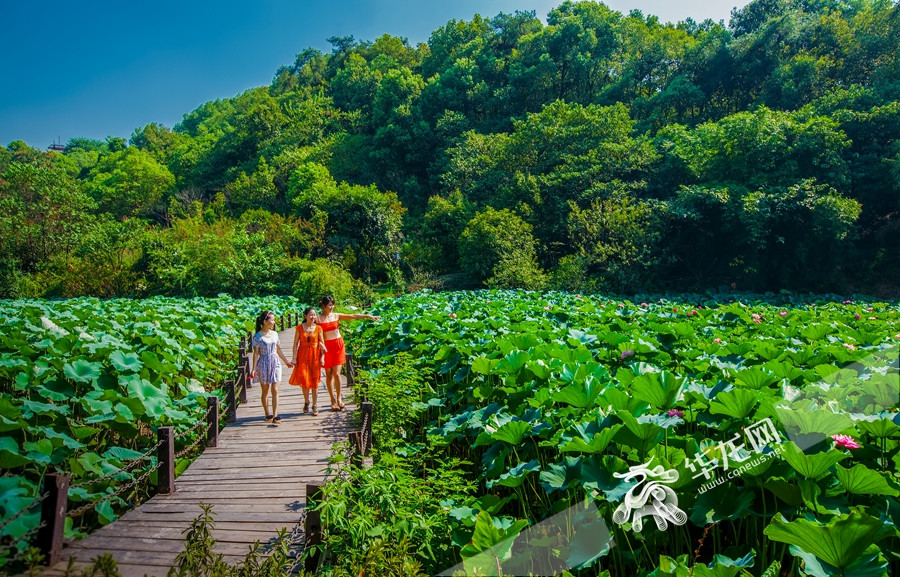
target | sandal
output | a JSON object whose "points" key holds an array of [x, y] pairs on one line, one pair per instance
{"points": [[276, 419], [315, 411], [268, 418], [306, 407]]}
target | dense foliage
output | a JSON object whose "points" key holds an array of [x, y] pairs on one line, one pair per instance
{"points": [[543, 398], [85, 383], [627, 155]]}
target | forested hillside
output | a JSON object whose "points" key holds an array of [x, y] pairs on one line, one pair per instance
{"points": [[598, 151]]}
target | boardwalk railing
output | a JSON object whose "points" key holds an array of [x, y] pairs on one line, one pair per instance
{"points": [[54, 498], [361, 442]]}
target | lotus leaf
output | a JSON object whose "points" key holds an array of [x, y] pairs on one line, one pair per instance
{"points": [[661, 390], [813, 466], [737, 403], [561, 476], [860, 480], [82, 371], [515, 476], [725, 502], [512, 432], [10, 455], [840, 543], [125, 362]]}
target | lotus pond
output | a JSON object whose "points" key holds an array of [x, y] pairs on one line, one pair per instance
{"points": [[554, 398], [84, 383]]}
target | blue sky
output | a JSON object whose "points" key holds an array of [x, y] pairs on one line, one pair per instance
{"points": [[101, 68]]}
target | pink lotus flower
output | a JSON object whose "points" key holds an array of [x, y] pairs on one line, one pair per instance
{"points": [[621, 305], [675, 310], [897, 336], [644, 305], [847, 302], [675, 413], [782, 313], [849, 347], [846, 441], [717, 340], [452, 315], [547, 308], [869, 309], [626, 354], [856, 316]]}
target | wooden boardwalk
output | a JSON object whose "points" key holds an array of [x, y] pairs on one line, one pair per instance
{"points": [[255, 480]]}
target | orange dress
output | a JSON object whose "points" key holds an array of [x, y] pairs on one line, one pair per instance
{"points": [[335, 355], [307, 368]]}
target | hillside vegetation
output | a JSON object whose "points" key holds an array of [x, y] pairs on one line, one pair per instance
{"points": [[598, 150]]}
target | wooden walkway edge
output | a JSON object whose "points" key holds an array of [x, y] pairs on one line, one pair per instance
{"points": [[255, 479]]}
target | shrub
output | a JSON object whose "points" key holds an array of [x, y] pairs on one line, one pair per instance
{"points": [[316, 278], [497, 247]]}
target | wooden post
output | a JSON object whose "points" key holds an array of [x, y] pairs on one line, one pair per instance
{"points": [[53, 514], [212, 421], [355, 439], [248, 369], [165, 482], [243, 378], [281, 323], [229, 398], [351, 372], [313, 527], [367, 427]]}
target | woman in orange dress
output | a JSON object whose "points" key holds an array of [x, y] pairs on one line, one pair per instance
{"points": [[309, 355], [335, 356]]}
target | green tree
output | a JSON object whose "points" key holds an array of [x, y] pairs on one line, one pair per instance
{"points": [[130, 182], [362, 225], [254, 191], [759, 148], [497, 248], [441, 228], [44, 213], [618, 240]]}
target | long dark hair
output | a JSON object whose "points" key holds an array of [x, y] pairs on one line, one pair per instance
{"points": [[261, 319], [326, 300], [306, 312]]}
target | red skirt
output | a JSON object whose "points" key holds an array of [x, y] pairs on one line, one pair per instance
{"points": [[335, 355]]}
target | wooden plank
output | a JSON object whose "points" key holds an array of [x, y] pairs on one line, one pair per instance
{"points": [[255, 481], [273, 504], [138, 545], [259, 473], [230, 526]]}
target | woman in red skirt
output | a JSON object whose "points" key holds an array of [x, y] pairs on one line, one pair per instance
{"points": [[309, 356], [334, 345]]}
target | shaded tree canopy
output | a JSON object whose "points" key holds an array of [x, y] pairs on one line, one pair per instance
{"points": [[625, 152]]}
